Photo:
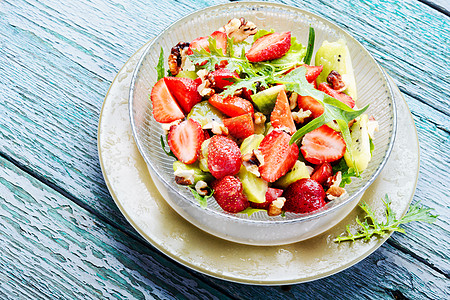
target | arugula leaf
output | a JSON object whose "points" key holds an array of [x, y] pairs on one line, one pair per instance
{"points": [[370, 226], [250, 211], [262, 32], [160, 66], [346, 172], [291, 59], [372, 146], [249, 84], [169, 153], [309, 51], [202, 200]]}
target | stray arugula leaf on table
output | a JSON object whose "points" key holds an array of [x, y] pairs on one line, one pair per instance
{"points": [[370, 226]]}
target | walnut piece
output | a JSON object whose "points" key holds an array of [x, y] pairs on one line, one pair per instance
{"points": [[216, 128], [335, 191], [184, 177], [293, 101], [336, 82], [300, 116], [166, 126], [204, 89], [259, 117], [201, 187], [276, 206], [252, 161], [177, 57], [239, 29]]}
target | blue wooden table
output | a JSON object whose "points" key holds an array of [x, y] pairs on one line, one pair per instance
{"points": [[61, 234]]}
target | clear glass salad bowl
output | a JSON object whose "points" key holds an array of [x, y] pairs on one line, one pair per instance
{"points": [[259, 228]]}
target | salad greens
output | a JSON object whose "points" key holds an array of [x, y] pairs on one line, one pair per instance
{"points": [[311, 39]]}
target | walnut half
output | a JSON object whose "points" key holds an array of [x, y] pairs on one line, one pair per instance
{"points": [[177, 57], [239, 29]]}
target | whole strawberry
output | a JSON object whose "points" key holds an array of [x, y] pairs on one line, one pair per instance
{"points": [[304, 196], [224, 157], [229, 194]]}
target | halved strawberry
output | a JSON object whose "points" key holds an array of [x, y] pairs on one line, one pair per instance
{"points": [[268, 47], [165, 108], [241, 126], [322, 173], [311, 104], [304, 196], [229, 194], [279, 156], [281, 116], [203, 42], [271, 195], [322, 145], [344, 98], [224, 157], [184, 90], [223, 78], [185, 140], [231, 106]]}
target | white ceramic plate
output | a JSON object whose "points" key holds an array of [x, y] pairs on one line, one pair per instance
{"points": [[130, 185]]}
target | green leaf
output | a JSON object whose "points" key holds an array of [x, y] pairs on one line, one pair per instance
{"points": [[261, 33], [160, 66], [346, 172], [292, 58], [202, 200], [309, 51], [374, 227], [169, 153], [250, 211]]}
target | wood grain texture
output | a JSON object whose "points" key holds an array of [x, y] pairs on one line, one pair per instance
{"points": [[51, 248], [58, 60]]}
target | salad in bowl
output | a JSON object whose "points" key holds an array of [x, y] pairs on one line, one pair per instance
{"points": [[259, 126]]}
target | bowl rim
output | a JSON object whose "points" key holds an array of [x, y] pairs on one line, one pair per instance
{"points": [[223, 214]]}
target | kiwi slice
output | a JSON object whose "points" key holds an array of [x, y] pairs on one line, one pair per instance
{"points": [[298, 172], [205, 113], [360, 146], [198, 173], [266, 99], [187, 74]]}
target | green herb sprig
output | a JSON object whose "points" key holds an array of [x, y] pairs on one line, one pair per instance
{"points": [[370, 226], [202, 200]]}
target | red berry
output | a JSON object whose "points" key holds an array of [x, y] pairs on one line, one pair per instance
{"points": [[224, 157], [231, 106], [184, 90], [223, 78], [185, 140], [229, 194], [322, 173], [165, 108], [279, 156], [311, 104], [241, 126], [268, 47], [344, 98], [312, 72], [322, 145], [281, 117], [271, 195], [304, 196], [203, 42]]}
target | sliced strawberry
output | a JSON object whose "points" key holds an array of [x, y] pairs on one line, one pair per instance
{"points": [[304, 196], [271, 195], [247, 94], [281, 116], [185, 140], [184, 90], [344, 98], [311, 104], [241, 126], [231, 106], [165, 108], [229, 194], [322, 173], [223, 78], [312, 72], [322, 145], [279, 156], [268, 47], [203, 42], [224, 157]]}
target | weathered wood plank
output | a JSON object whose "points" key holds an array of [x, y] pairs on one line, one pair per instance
{"points": [[51, 248]]}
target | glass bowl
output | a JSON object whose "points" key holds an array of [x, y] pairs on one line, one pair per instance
{"points": [[259, 228]]}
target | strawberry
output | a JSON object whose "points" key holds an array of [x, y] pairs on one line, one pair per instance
{"points": [[322, 145], [185, 140], [279, 156], [281, 117], [165, 108], [241, 126], [344, 98], [312, 72], [223, 78], [203, 42], [232, 106], [322, 173], [229, 194], [184, 90], [311, 104], [304, 196], [224, 157], [271, 195], [268, 47]]}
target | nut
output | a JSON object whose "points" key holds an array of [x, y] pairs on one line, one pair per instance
{"points": [[204, 89], [177, 57], [239, 29], [276, 206], [293, 100], [336, 82], [184, 177], [252, 161], [201, 187], [334, 192], [166, 126], [216, 128], [300, 116], [259, 117]]}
